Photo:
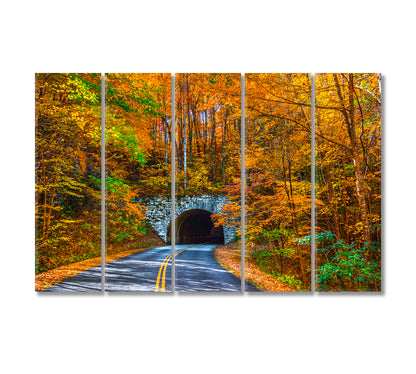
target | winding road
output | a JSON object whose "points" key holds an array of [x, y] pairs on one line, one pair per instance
{"points": [[196, 270]]}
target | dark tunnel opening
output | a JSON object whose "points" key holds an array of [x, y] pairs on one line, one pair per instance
{"points": [[196, 226]]}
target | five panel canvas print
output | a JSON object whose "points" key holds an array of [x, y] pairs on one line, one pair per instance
{"points": [[173, 182]]}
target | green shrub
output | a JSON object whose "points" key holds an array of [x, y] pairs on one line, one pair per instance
{"points": [[347, 267]]}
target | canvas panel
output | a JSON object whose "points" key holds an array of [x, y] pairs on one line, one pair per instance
{"points": [[278, 181], [138, 182], [68, 157], [348, 182], [208, 182]]}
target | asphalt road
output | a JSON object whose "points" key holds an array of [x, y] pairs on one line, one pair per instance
{"points": [[140, 271], [87, 281], [196, 270]]}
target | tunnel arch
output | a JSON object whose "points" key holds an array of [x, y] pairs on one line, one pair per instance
{"points": [[196, 226], [159, 211]]}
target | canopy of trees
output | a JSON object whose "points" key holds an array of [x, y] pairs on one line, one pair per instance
{"points": [[278, 175], [348, 188], [207, 132], [68, 148], [138, 150]]}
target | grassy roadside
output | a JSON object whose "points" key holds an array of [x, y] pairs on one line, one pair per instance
{"points": [[229, 256]]}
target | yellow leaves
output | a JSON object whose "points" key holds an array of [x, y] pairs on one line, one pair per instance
{"points": [[67, 148], [199, 179], [348, 157], [278, 158], [137, 129]]}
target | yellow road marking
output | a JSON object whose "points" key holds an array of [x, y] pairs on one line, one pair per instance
{"points": [[163, 268], [160, 272]]}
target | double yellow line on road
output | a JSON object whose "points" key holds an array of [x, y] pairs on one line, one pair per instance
{"points": [[164, 266]]}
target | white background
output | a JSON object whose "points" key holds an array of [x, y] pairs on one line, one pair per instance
{"points": [[206, 334]]}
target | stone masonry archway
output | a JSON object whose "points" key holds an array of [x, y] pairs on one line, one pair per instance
{"points": [[159, 214]]}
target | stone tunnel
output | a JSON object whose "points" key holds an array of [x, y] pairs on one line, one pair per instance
{"points": [[192, 217]]}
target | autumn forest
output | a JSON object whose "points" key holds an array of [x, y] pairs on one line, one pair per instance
{"points": [[278, 175], [348, 188], [193, 145], [68, 169]]}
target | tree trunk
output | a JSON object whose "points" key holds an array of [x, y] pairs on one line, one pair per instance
{"points": [[213, 146], [184, 132], [332, 201], [224, 136], [350, 124]]}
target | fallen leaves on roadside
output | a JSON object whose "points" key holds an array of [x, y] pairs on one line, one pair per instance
{"points": [[229, 256]]}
